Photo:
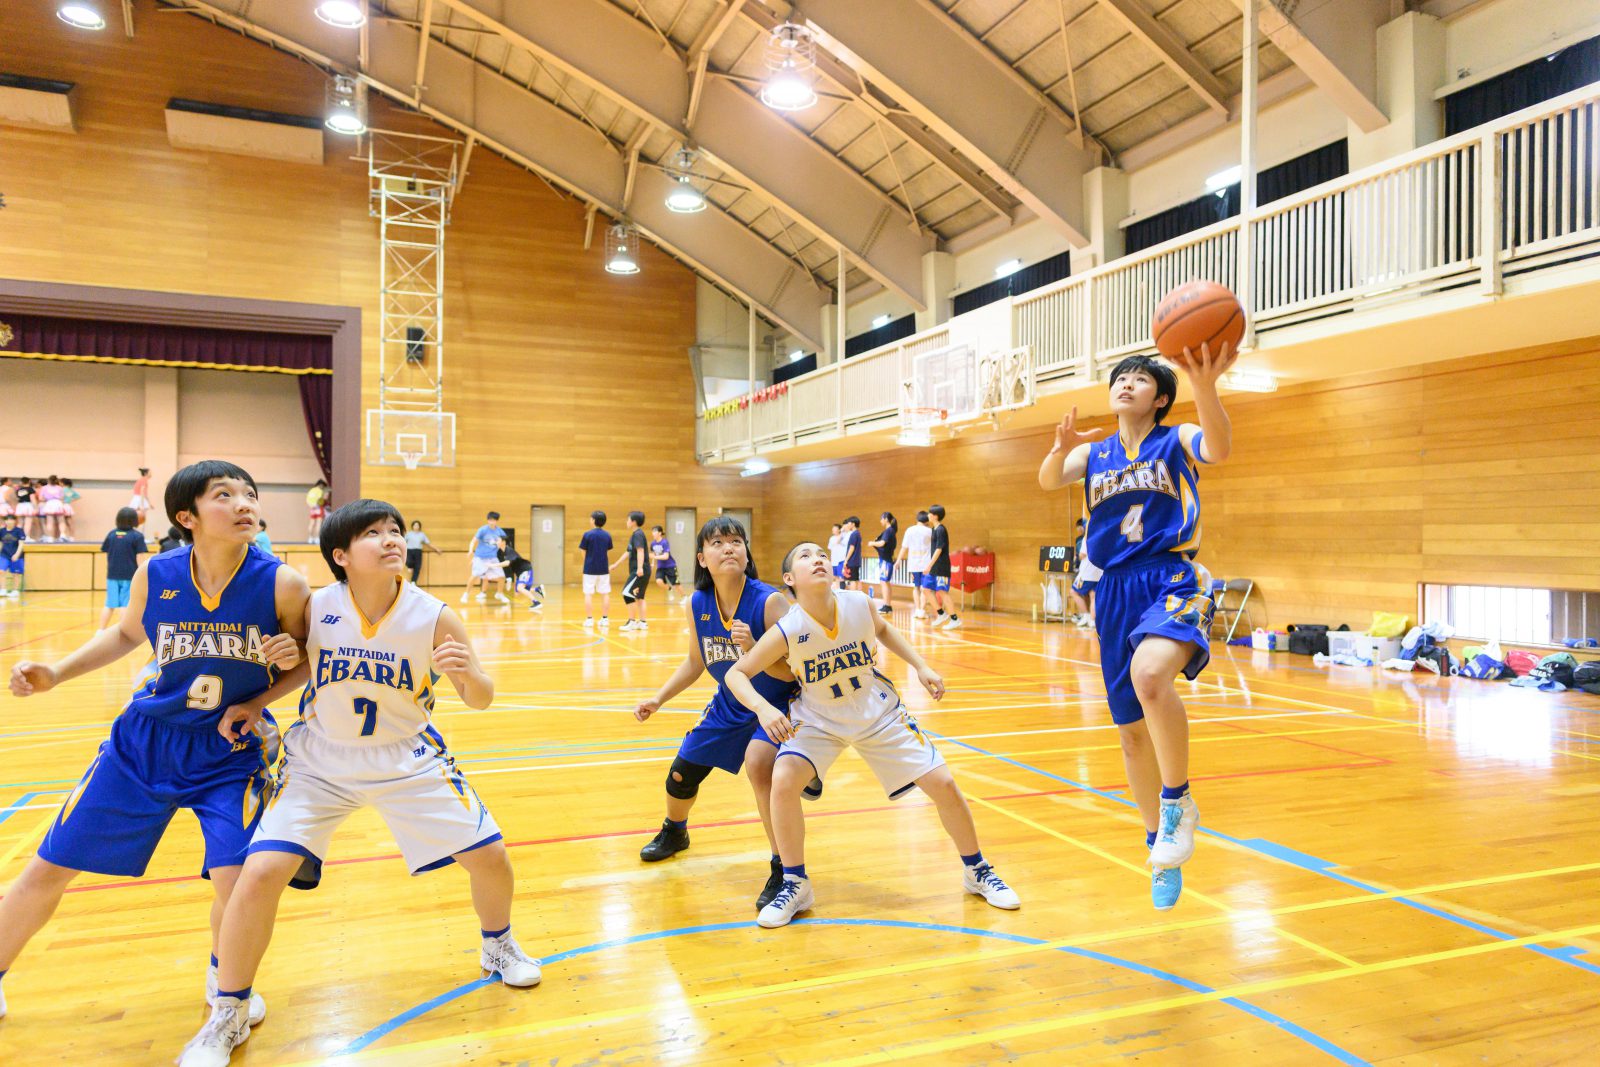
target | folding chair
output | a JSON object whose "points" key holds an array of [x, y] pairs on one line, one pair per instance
{"points": [[1228, 611]]}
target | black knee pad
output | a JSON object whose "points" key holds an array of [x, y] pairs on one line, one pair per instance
{"points": [[683, 782]]}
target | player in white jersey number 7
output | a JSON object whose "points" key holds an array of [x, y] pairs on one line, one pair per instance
{"points": [[828, 638]]}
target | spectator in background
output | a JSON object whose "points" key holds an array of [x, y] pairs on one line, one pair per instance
{"points": [[937, 580], [12, 538], [638, 572], [263, 542], [661, 559], [140, 501], [836, 551], [486, 569], [595, 544], [880, 570], [316, 510], [28, 509], [70, 496], [852, 553], [123, 546], [416, 541], [51, 508], [171, 539], [916, 548]]}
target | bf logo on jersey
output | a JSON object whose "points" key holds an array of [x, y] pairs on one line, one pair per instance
{"points": [[802, 639], [168, 594], [329, 620]]}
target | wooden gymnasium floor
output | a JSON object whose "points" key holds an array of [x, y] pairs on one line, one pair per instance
{"points": [[1393, 871]]}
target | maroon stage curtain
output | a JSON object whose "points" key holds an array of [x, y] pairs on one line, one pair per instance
{"points": [[176, 346], [316, 401]]}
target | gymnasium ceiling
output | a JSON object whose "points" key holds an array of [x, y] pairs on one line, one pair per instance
{"points": [[935, 119]]}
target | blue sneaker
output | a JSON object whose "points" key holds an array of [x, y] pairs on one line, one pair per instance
{"points": [[1166, 885]]}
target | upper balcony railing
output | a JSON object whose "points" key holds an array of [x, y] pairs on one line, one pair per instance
{"points": [[1398, 230]]}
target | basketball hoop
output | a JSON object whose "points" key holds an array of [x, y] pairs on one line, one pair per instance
{"points": [[411, 459]]}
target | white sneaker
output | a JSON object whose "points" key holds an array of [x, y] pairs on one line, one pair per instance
{"points": [[588, 624], [982, 881], [792, 899], [258, 1006], [226, 1030], [642, 625], [481, 597], [605, 622], [919, 614], [502, 598], [503, 956], [953, 623], [630, 624], [465, 597], [1175, 840]]}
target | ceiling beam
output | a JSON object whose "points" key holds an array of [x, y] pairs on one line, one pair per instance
{"points": [[422, 47], [473, 100], [1337, 47], [733, 129], [1282, 85], [700, 56], [949, 160], [1164, 43], [966, 94]]}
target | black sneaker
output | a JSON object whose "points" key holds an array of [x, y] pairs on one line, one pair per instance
{"points": [[667, 843], [774, 883], [884, 609]]}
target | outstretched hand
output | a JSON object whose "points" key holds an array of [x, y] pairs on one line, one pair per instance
{"points": [[1205, 368], [1068, 436]]}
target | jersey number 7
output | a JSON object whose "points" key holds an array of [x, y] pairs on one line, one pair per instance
{"points": [[368, 709]]}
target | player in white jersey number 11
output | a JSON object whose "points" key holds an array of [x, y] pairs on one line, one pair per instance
{"points": [[828, 638]]}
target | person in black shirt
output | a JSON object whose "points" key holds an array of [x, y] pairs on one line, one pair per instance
{"points": [[123, 547], [885, 544], [638, 583], [852, 553], [939, 573]]}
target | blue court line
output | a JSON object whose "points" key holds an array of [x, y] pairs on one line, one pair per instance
{"points": [[1300, 859], [18, 804], [1321, 1044]]}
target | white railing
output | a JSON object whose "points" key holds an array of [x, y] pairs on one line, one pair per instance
{"points": [[1526, 186]]}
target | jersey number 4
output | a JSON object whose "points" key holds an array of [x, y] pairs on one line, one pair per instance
{"points": [[1133, 523]]}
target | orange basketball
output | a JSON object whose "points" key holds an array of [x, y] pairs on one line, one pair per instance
{"points": [[1197, 313]]}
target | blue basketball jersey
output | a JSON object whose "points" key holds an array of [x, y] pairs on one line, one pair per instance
{"points": [[718, 650], [1143, 504], [208, 652]]}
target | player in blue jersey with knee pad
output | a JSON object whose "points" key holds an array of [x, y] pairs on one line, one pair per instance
{"points": [[728, 612], [223, 618], [1153, 604]]}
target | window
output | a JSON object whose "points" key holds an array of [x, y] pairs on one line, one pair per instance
{"points": [[1515, 614]]}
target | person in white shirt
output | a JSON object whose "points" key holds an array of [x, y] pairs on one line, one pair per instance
{"points": [[838, 546], [828, 639], [916, 548]]}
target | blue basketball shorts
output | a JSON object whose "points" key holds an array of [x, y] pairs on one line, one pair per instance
{"points": [[1167, 598], [939, 583], [720, 739], [145, 771]]}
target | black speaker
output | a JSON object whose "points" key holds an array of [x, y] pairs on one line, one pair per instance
{"points": [[416, 351]]}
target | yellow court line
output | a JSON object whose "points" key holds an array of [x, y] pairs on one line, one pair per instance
{"points": [[992, 955], [1243, 989], [22, 842], [1144, 872]]}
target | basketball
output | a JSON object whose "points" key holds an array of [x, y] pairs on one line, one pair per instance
{"points": [[1197, 313]]}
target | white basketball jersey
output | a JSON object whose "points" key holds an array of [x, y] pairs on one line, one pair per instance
{"points": [[839, 683], [371, 682]]}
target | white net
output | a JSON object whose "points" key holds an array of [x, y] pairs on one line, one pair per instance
{"points": [[411, 439]]}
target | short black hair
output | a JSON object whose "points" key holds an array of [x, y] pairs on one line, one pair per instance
{"points": [[263, 523], [657, 529], [495, 515], [416, 524], [721, 526], [937, 511], [1165, 377], [144, 470], [599, 517], [1083, 522], [922, 516], [838, 525], [854, 521], [347, 521], [127, 518], [636, 517], [190, 484]]}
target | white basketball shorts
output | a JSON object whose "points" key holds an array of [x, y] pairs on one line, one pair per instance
{"points": [[414, 785], [491, 569], [893, 746], [596, 583]]}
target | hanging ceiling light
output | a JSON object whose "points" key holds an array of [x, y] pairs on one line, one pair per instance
{"points": [[347, 110], [622, 249], [685, 199], [792, 69], [83, 16], [345, 14]]}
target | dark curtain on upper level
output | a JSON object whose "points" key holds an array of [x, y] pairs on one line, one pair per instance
{"points": [[794, 368], [1524, 86], [1022, 280], [1287, 178], [888, 333]]}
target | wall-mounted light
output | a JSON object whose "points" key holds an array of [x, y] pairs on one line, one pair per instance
{"points": [[753, 467], [1010, 266]]}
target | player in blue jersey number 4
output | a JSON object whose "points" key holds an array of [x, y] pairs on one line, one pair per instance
{"points": [[223, 618], [1153, 605]]}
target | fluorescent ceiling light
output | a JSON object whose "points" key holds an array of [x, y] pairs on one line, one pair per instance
{"points": [[1224, 178], [83, 16], [1010, 266], [796, 354], [881, 321], [754, 467], [345, 14]]}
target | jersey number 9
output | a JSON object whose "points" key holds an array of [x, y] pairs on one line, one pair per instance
{"points": [[205, 692]]}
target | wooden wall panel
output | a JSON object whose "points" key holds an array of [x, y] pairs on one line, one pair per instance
{"points": [[570, 386], [1340, 498]]}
